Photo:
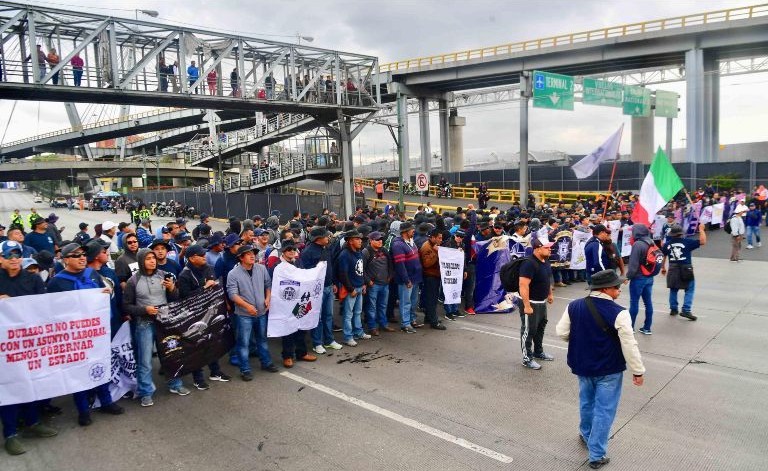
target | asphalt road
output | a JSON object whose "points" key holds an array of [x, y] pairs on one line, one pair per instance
{"points": [[455, 400]]}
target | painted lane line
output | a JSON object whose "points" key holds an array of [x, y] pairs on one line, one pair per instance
{"points": [[401, 419], [508, 337]]}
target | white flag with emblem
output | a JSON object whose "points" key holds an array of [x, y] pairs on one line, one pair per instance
{"points": [[297, 296], [608, 151]]}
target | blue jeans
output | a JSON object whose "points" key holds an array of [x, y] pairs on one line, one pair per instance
{"points": [[10, 417], [598, 400], [409, 297], [246, 325], [378, 298], [451, 308], [323, 333], [144, 338], [641, 287], [82, 402], [353, 309], [687, 298], [753, 230]]}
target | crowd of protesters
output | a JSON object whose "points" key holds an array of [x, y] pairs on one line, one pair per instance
{"points": [[376, 260]]}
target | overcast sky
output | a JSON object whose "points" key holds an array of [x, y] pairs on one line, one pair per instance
{"points": [[396, 29]]}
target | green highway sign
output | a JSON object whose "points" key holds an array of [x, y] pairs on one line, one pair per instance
{"points": [[602, 93], [666, 104], [637, 101], [553, 91]]}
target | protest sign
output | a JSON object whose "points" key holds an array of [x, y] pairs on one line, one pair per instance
{"points": [[297, 297], [451, 273], [53, 345]]}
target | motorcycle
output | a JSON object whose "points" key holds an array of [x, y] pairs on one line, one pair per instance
{"points": [[445, 191], [161, 210]]}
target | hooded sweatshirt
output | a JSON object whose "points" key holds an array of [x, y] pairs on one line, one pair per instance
{"points": [[144, 289], [642, 237], [126, 264]]}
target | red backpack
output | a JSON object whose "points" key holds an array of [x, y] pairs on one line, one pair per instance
{"points": [[651, 264]]}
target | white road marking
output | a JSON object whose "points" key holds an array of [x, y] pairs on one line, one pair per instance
{"points": [[401, 419], [507, 336]]}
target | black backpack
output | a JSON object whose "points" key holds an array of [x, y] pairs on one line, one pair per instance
{"points": [[727, 227], [510, 275]]}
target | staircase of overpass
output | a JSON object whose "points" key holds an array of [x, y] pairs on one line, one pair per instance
{"points": [[280, 169]]}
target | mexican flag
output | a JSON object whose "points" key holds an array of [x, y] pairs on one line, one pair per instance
{"points": [[660, 185]]}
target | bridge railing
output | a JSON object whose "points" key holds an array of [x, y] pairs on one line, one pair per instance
{"points": [[276, 168], [717, 16]]}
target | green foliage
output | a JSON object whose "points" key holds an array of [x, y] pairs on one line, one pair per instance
{"points": [[724, 181]]}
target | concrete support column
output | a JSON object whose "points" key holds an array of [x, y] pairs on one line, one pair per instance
{"points": [[426, 150], [445, 143], [347, 176], [525, 93], [642, 139], [668, 145], [702, 88], [402, 126], [456, 141]]}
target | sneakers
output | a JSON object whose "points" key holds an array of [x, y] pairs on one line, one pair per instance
{"points": [[334, 345], [531, 364], [247, 376], [470, 311], [645, 331], [673, 312], [112, 409], [416, 324], [750, 247], [271, 368], [599, 463], [202, 385], [544, 356], [13, 446], [408, 330], [450, 317], [308, 357], [351, 343], [688, 315], [288, 362], [560, 284], [40, 431], [438, 326], [84, 419], [220, 377], [181, 390], [460, 314], [759, 244], [336, 328], [319, 349], [147, 401], [364, 337]]}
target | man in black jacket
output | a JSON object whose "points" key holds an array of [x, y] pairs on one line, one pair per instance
{"points": [[379, 272], [197, 275]]}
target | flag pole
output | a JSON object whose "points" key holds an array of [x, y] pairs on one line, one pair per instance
{"points": [[613, 172]]}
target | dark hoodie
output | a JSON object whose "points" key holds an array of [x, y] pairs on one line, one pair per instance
{"points": [[642, 238], [127, 263], [143, 289]]}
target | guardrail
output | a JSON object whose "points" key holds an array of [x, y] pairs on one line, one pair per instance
{"points": [[717, 16], [496, 194]]}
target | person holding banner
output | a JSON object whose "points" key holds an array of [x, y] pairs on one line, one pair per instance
{"points": [[147, 289], [379, 271], [196, 276], [76, 276], [456, 242], [14, 281], [431, 270], [249, 287], [294, 345]]}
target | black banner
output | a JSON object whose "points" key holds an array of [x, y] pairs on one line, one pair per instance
{"points": [[193, 332]]}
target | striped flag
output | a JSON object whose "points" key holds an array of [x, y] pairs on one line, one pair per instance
{"points": [[660, 185]]}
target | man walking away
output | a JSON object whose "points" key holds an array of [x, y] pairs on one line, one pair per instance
{"points": [[600, 345], [535, 293], [678, 250]]}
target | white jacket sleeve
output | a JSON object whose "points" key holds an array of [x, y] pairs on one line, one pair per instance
{"points": [[629, 347]]}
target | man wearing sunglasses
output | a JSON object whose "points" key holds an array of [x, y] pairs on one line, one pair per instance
{"points": [[76, 276], [17, 282], [601, 344]]}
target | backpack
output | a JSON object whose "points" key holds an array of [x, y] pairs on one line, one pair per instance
{"points": [[87, 280], [510, 275], [651, 264], [388, 241], [727, 227]]}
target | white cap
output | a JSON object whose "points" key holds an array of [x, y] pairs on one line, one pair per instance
{"points": [[108, 225]]}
